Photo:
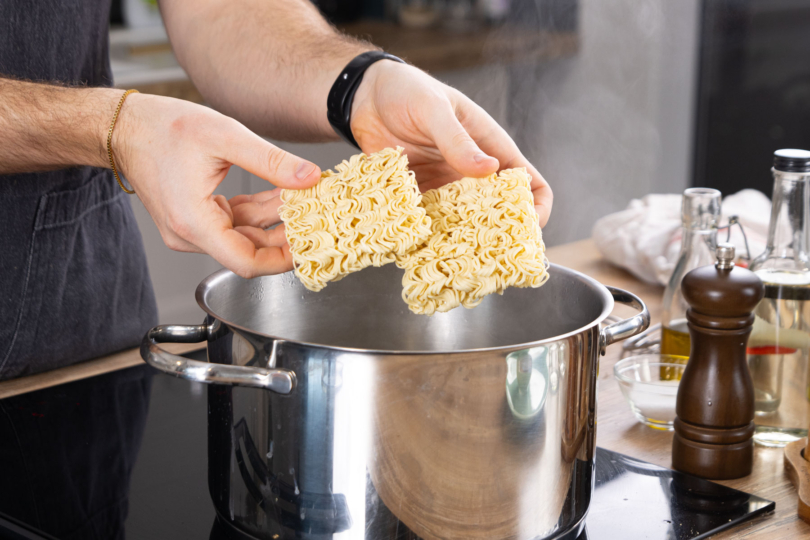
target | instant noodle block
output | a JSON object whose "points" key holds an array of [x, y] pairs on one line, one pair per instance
{"points": [[365, 213], [485, 236]]}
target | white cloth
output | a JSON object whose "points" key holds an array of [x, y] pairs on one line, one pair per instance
{"points": [[646, 237]]}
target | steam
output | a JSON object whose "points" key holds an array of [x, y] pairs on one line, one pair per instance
{"points": [[611, 122]]}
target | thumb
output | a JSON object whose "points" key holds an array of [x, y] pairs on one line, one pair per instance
{"points": [[457, 146], [280, 168]]}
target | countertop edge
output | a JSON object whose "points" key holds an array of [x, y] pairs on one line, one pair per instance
{"points": [[83, 370]]}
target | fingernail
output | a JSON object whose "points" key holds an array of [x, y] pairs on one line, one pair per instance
{"points": [[304, 169], [480, 156]]}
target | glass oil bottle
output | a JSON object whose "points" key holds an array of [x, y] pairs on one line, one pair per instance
{"points": [[778, 352], [700, 213]]}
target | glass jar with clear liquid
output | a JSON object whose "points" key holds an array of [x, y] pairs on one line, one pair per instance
{"points": [[700, 213], [779, 345]]}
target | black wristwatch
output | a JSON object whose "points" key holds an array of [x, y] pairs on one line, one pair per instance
{"points": [[341, 96]]}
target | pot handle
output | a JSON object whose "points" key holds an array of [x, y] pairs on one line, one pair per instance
{"points": [[628, 327], [281, 381]]}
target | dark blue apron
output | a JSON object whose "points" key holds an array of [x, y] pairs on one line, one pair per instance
{"points": [[74, 284]]}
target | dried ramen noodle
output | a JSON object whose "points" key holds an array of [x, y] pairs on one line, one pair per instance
{"points": [[485, 237], [366, 213]]}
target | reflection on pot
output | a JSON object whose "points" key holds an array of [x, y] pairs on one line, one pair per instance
{"points": [[312, 513], [527, 381], [485, 435], [283, 458]]}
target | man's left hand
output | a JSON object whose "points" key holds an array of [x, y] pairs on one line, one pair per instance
{"points": [[445, 135]]}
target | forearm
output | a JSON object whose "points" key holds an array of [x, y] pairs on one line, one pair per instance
{"points": [[268, 63], [45, 127]]}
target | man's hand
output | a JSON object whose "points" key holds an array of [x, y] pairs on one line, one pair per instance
{"points": [[175, 154], [445, 135]]}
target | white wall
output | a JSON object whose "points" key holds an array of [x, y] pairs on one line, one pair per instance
{"points": [[615, 121]]}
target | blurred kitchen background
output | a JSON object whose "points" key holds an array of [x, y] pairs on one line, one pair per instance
{"points": [[610, 99]]}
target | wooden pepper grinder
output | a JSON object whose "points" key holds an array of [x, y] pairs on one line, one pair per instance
{"points": [[715, 406]]}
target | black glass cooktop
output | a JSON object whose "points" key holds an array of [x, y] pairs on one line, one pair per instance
{"points": [[124, 455]]}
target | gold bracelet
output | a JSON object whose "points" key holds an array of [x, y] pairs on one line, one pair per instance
{"points": [[109, 141]]}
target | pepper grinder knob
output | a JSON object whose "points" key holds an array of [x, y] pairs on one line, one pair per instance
{"points": [[725, 256], [715, 403]]}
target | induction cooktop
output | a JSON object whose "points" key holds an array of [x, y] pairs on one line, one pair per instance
{"points": [[124, 455]]}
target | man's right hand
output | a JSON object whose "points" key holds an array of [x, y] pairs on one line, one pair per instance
{"points": [[175, 153]]}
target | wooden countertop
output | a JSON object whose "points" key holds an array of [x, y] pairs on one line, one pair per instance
{"points": [[617, 429], [83, 370]]}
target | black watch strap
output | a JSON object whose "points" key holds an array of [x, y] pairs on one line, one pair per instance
{"points": [[341, 96]]}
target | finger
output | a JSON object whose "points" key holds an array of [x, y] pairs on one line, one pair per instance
{"points": [[255, 197], [494, 139], [541, 190], [239, 199], [175, 243], [215, 235], [543, 196], [257, 214], [456, 145], [241, 255], [489, 135], [435, 175], [257, 156], [222, 202], [275, 237]]}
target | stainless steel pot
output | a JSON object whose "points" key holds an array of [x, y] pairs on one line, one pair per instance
{"points": [[341, 415]]}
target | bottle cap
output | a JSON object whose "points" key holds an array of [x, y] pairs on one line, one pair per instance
{"points": [[791, 160], [700, 208]]}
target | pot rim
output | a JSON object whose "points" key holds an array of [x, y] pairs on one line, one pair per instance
{"points": [[211, 281]]}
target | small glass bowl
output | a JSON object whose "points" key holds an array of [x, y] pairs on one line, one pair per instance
{"points": [[649, 383]]}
